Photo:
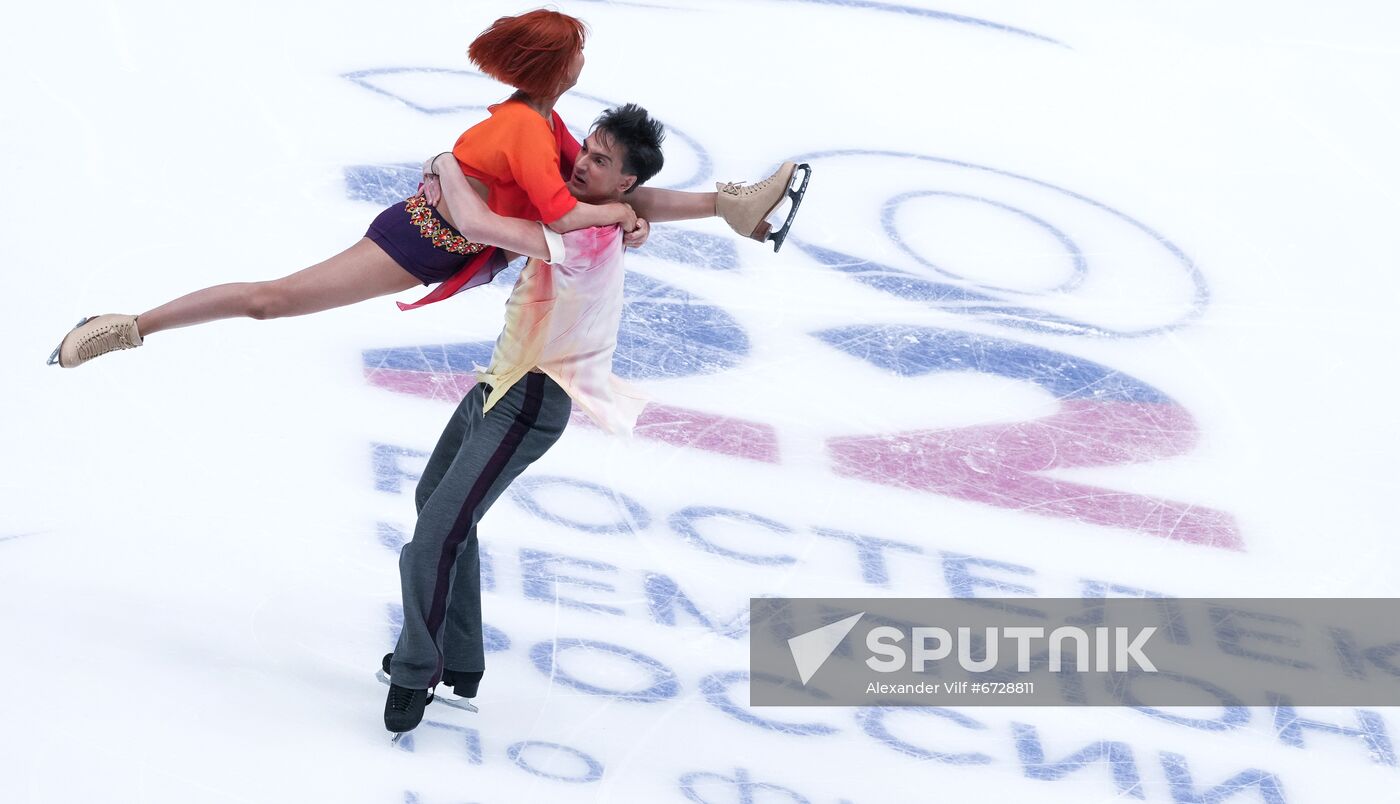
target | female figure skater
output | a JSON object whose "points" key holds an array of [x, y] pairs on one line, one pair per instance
{"points": [[519, 159]]}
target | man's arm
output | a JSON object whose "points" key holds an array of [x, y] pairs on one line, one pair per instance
{"points": [[469, 214]]}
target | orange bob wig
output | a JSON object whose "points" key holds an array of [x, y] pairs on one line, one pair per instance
{"points": [[530, 52]]}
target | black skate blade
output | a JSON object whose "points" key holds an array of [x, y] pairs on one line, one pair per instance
{"points": [[796, 194], [53, 358]]}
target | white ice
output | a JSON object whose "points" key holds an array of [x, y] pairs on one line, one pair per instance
{"points": [[197, 562]]}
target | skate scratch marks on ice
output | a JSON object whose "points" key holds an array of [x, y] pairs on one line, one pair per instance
{"points": [[1078, 216], [1105, 418]]}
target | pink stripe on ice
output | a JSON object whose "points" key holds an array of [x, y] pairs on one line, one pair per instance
{"points": [[997, 465], [677, 426]]}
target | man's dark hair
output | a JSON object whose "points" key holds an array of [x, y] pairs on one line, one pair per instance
{"points": [[640, 136]]}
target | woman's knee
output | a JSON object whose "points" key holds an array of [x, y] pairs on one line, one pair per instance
{"points": [[268, 300]]}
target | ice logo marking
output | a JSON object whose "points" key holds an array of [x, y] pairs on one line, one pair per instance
{"points": [[1145, 286], [811, 650], [1051, 260]]}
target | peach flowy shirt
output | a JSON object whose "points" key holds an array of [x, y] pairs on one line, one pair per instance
{"points": [[562, 318]]}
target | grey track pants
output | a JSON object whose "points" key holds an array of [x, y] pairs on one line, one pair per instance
{"points": [[475, 459]]}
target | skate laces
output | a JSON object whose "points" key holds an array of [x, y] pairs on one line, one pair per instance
{"points": [[109, 337], [738, 188], [400, 698]]}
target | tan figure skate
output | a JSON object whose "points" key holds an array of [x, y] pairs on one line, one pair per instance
{"points": [[96, 336], [746, 207]]}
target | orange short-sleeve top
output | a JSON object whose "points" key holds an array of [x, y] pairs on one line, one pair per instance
{"points": [[521, 160]]}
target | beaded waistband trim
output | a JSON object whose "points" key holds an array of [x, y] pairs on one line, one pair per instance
{"points": [[421, 215]]}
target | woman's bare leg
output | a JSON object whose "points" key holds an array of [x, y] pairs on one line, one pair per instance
{"points": [[361, 272], [659, 206], [743, 206]]}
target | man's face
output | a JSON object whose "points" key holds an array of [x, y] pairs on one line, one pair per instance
{"points": [[598, 175]]}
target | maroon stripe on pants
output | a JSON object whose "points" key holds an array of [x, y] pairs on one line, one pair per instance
{"points": [[529, 413]]}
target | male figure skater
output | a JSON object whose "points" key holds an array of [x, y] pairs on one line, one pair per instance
{"points": [[556, 349]]}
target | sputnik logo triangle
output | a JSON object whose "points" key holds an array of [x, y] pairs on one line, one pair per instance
{"points": [[811, 650]]}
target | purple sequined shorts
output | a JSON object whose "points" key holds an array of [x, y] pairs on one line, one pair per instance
{"points": [[421, 242]]}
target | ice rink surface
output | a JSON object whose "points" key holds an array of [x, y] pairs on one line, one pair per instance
{"points": [[1086, 298]]}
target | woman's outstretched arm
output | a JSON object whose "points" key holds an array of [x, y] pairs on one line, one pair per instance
{"points": [[584, 215]]}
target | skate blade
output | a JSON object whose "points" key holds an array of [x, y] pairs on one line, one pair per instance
{"points": [[796, 195], [457, 702], [384, 679], [53, 358], [448, 698]]}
